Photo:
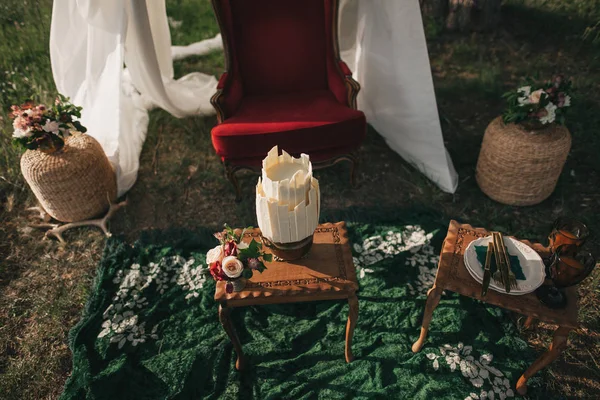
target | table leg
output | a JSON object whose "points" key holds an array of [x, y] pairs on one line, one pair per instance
{"points": [[352, 317], [559, 343], [224, 317], [433, 299]]}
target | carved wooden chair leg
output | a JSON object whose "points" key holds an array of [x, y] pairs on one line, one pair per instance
{"points": [[354, 161], [232, 178]]}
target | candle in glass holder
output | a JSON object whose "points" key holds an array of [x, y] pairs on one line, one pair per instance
{"points": [[287, 198]]}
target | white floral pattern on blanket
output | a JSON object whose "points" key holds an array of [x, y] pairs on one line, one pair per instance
{"points": [[412, 238], [489, 380], [121, 321]]}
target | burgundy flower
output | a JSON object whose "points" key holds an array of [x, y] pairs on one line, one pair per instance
{"points": [[231, 249], [561, 99], [229, 287], [558, 79], [253, 263], [216, 271]]}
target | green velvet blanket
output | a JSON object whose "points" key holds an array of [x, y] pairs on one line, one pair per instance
{"points": [[150, 330]]}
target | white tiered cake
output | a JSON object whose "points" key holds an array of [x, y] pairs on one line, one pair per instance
{"points": [[288, 200]]}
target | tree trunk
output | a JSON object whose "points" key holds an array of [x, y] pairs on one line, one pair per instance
{"points": [[464, 15]]}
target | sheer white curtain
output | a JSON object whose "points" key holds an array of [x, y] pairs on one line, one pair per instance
{"points": [[91, 41], [383, 42]]}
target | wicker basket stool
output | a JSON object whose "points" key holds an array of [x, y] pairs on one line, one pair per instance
{"points": [[520, 167], [73, 184]]}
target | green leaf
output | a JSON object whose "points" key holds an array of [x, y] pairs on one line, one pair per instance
{"points": [[268, 257], [261, 267], [247, 273], [253, 249]]}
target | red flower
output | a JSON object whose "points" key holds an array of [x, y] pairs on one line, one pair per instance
{"points": [[230, 249], [216, 271], [229, 287]]}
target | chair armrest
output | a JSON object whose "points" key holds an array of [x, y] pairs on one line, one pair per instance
{"points": [[227, 98], [352, 87], [222, 80], [344, 67]]}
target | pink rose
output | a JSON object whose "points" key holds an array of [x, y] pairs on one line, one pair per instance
{"points": [[232, 267], [214, 255], [536, 96]]}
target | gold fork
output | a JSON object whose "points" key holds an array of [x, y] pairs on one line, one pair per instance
{"points": [[512, 279], [498, 274]]}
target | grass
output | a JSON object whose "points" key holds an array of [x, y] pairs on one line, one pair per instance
{"points": [[43, 285]]}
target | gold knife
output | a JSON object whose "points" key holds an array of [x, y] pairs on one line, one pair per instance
{"points": [[499, 251], [487, 273]]}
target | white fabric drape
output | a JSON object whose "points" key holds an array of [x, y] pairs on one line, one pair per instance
{"points": [[383, 43], [91, 40]]}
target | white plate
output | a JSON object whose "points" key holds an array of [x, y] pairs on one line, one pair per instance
{"points": [[530, 260]]}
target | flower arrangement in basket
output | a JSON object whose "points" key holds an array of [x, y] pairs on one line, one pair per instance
{"points": [[67, 170], [523, 151], [38, 127], [235, 261], [539, 105]]}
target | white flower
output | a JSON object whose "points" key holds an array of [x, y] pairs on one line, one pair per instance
{"points": [[242, 245], [232, 266], [19, 133], [551, 114], [50, 126], [536, 96], [525, 90], [214, 255], [567, 102]]}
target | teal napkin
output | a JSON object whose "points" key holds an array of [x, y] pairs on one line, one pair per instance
{"points": [[515, 265]]}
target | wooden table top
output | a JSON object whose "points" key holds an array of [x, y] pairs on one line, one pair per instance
{"points": [[453, 275], [327, 273]]}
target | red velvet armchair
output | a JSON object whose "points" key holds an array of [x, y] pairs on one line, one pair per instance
{"points": [[284, 85]]}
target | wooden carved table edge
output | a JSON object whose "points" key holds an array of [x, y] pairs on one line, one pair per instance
{"points": [[342, 287], [453, 247]]}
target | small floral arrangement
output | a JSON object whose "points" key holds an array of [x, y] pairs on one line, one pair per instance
{"points": [[45, 128], [541, 104], [233, 259]]}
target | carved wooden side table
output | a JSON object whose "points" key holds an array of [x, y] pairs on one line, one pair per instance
{"points": [[327, 273], [453, 275]]}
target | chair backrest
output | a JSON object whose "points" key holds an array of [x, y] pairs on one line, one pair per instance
{"points": [[278, 46]]}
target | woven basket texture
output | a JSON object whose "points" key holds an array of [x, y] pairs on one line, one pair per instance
{"points": [[521, 167], [74, 183]]}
